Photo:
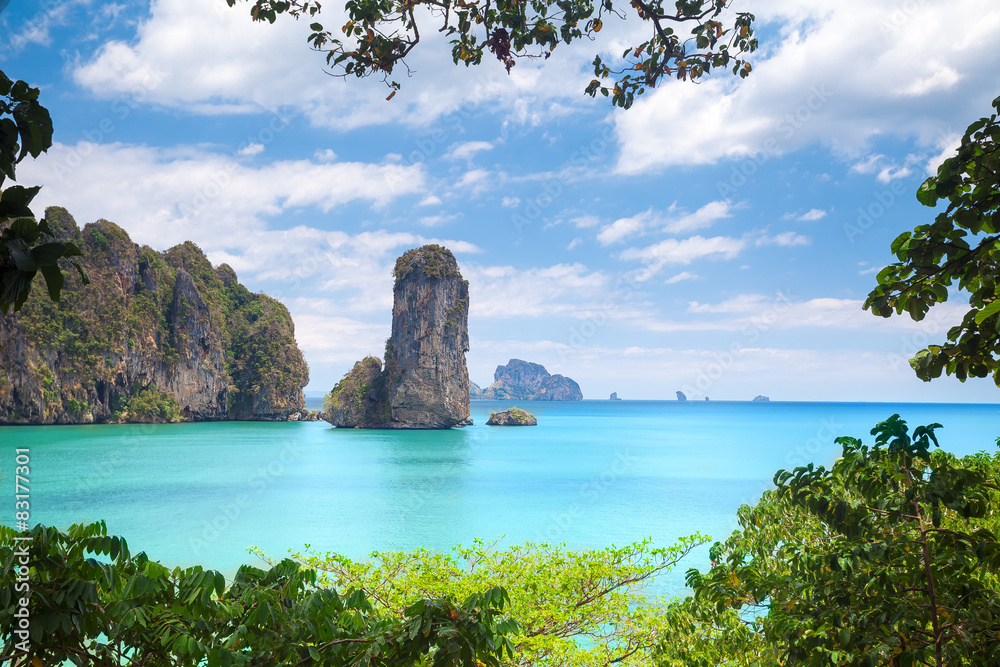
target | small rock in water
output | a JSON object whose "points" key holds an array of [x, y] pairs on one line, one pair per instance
{"points": [[512, 417]]}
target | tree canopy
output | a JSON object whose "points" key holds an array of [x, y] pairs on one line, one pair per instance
{"points": [[686, 40], [960, 248], [890, 557]]}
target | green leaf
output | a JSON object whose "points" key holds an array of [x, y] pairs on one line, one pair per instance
{"points": [[54, 282], [927, 192], [987, 312]]}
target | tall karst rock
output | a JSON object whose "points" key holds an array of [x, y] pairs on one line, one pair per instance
{"points": [[424, 382], [154, 337]]}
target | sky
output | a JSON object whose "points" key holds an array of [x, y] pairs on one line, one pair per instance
{"points": [[717, 239]]}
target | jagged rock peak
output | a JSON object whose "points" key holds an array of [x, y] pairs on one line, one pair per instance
{"points": [[424, 383]]}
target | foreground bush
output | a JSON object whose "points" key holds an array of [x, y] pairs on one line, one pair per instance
{"points": [[93, 603]]}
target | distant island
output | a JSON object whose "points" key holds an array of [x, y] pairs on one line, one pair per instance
{"points": [[525, 381], [425, 383], [681, 396], [614, 396], [155, 337], [760, 398]]}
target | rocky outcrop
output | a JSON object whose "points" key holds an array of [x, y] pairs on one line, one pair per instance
{"points": [[475, 391], [524, 381], [681, 396], [424, 383], [155, 337], [614, 396], [360, 400], [760, 398], [512, 417]]}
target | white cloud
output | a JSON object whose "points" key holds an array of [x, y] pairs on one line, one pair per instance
{"points": [[430, 200], [812, 214], [702, 218], [800, 94], [744, 303], [686, 251], [574, 243], [784, 239], [681, 277], [326, 155], [891, 173], [167, 196], [467, 150], [622, 228], [209, 58], [476, 180], [942, 79], [510, 202], [585, 221], [563, 289], [438, 220], [251, 150], [638, 224]]}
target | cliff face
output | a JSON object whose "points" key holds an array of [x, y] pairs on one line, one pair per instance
{"points": [[525, 381], [154, 337], [425, 383]]}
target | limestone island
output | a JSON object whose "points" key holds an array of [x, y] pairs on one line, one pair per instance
{"points": [[155, 337], [681, 396], [614, 396], [760, 398], [512, 417], [525, 381], [424, 383]]}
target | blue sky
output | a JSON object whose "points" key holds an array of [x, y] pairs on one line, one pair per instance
{"points": [[716, 238]]}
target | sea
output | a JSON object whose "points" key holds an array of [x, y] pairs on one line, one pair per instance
{"points": [[591, 474]]}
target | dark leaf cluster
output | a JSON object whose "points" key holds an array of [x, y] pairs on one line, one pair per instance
{"points": [[27, 246], [960, 249]]}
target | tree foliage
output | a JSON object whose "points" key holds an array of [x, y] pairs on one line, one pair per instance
{"points": [[25, 129], [890, 557], [687, 39], [573, 608], [961, 248], [93, 603]]}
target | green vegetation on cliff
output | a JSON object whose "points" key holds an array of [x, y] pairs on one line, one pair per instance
{"points": [[146, 320], [360, 399], [434, 260]]}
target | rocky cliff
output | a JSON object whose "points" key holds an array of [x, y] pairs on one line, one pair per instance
{"points": [[155, 337], [425, 383], [525, 381]]}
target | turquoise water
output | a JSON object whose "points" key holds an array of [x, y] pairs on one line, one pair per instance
{"points": [[591, 474]]}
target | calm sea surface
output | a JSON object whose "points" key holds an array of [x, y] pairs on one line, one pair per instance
{"points": [[591, 474]]}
